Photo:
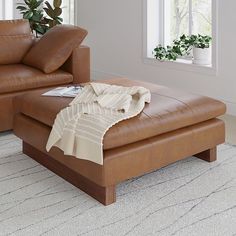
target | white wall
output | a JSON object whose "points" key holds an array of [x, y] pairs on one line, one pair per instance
{"points": [[115, 38]]}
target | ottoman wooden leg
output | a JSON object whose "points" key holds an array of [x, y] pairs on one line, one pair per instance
{"points": [[209, 155], [105, 195]]}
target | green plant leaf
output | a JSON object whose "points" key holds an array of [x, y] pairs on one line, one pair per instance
{"points": [[28, 15], [41, 29], [51, 24], [48, 6], [37, 16], [60, 19], [38, 3], [57, 11], [57, 3], [49, 12], [22, 8]]}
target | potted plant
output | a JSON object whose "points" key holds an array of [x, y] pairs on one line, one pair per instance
{"points": [[165, 53], [182, 47], [201, 49], [41, 18]]}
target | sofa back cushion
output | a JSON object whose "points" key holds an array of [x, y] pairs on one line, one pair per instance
{"points": [[14, 27], [15, 41], [55, 47], [14, 48]]}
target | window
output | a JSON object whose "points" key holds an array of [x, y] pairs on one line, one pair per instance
{"points": [[166, 20], [68, 13], [185, 17], [6, 9]]}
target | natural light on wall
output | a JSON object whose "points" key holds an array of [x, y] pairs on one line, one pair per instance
{"points": [[167, 20]]}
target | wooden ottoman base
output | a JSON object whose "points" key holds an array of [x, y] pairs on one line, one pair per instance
{"points": [[209, 155], [105, 195]]}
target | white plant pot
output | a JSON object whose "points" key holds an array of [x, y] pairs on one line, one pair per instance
{"points": [[202, 56]]}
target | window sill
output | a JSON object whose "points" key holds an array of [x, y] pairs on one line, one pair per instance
{"points": [[182, 65]]}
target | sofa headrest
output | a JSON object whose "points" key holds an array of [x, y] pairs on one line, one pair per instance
{"points": [[15, 40], [14, 27]]}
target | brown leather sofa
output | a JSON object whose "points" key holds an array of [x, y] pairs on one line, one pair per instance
{"points": [[17, 78]]}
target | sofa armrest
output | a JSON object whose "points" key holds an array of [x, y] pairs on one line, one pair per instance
{"points": [[78, 65]]}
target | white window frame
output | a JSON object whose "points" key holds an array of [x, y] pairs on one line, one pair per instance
{"points": [[6, 9], [152, 35], [69, 13]]}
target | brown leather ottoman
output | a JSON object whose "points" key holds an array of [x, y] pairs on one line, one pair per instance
{"points": [[175, 125]]}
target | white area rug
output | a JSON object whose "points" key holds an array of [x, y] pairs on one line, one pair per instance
{"points": [[190, 197]]}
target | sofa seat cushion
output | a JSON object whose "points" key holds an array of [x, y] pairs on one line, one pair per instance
{"points": [[169, 110], [18, 77]]}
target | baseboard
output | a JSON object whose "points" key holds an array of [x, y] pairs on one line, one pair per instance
{"points": [[100, 75]]}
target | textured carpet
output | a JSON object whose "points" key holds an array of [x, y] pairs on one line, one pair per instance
{"points": [[190, 197]]}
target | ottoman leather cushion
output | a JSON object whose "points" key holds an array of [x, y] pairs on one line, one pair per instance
{"points": [[169, 110]]}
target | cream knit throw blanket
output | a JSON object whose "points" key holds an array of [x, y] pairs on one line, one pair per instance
{"points": [[79, 129]]}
